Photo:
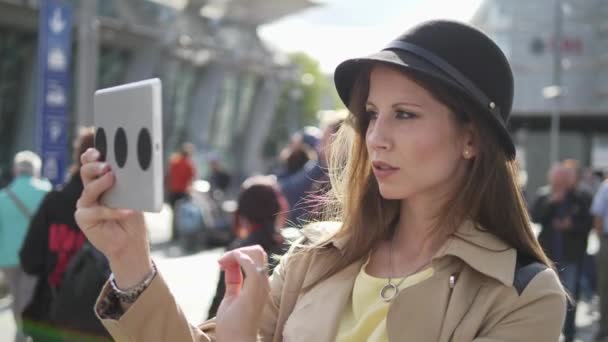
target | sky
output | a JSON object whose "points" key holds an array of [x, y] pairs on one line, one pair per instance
{"points": [[342, 29]]}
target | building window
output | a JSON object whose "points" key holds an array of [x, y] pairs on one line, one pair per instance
{"points": [[112, 66]]}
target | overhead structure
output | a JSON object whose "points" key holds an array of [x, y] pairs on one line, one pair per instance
{"points": [[221, 83]]}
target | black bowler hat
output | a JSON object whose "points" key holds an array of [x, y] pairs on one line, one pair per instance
{"points": [[456, 54]]}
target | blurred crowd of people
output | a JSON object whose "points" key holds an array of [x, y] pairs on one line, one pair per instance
{"points": [[565, 209], [41, 247]]}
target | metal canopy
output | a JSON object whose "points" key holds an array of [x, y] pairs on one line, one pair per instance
{"points": [[251, 12]]}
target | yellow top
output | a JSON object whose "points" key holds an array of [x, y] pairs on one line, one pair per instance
{"points": [[364, 319]]}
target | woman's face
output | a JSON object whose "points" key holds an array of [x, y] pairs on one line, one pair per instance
{"points": [[414, 142]]}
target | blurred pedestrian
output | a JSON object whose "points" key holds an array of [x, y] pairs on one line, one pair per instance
{"points": [[591, 181], [190, 223], [292, 159], [579, 176], [219, 177], [305, 189], [180, 176], [564, 216], [52, 240], [310, 136], [18, 202], [257, 222], [599, 209], [578, 186], [295, 160], [300, 150], [432, 241], [181, 173]]}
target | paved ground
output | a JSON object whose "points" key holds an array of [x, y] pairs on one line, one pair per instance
{"points": [[586, 321]]}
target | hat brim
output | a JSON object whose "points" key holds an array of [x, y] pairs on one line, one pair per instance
{"points": [[349, 71]]}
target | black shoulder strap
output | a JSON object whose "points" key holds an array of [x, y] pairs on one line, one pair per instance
{"points": [[526, 269], [22, 207]]}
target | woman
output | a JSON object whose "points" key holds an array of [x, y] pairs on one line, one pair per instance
{"points": [[257, 222], [425, 250]]}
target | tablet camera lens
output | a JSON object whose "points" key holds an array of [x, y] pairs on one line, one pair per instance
{"points": [[120, 147], [101, 143], [144, 149]]}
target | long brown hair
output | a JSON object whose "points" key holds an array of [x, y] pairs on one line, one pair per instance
{"points": [[488, 194]]}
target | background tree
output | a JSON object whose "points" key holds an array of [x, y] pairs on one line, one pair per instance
{"points": [[309, 91]]}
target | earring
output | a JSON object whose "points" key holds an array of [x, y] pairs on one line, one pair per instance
{"points": [[467, 154]]}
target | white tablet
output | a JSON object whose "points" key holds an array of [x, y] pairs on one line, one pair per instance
{"points": [[128, 134]]}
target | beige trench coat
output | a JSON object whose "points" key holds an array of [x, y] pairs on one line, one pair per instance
{"points": [[497, 297]]}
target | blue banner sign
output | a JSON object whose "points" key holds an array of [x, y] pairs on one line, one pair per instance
{"points": [[54, 58]]}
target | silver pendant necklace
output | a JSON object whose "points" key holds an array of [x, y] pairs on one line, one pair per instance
{"points": [[390, 290]]}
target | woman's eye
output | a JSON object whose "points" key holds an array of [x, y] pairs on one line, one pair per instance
{"points": [[401, 114], [371, 115]]}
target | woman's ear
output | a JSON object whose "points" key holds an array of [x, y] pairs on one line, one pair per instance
{"points": [[470, 142]]}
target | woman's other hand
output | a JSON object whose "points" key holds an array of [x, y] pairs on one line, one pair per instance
{"points": [[120, 235], [239, 315]]}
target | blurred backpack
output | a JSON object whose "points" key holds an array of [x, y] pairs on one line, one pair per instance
{"points": [[188, 216], [72, 307]]}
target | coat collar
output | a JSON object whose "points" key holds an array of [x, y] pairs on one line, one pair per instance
{"points": [[471, 243], [482, 251]]}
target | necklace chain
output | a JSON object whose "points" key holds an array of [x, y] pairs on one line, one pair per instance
{"points": [[394, 288]]}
